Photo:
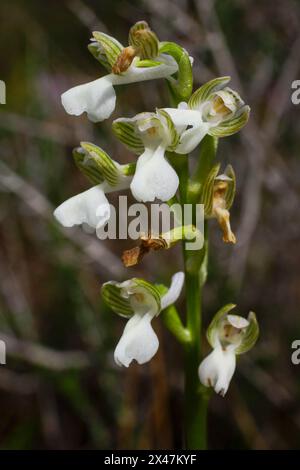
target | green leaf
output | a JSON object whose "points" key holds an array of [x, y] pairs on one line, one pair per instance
{"points": [[142, 38], [111, 294], [205, 91], [110, 46], [213, 327], [127, 134], [96, 164], [250, 336]]}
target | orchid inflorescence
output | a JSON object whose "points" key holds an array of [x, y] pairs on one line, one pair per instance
{"points": [[159, 138]]}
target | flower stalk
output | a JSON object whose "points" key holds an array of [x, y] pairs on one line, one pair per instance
{"points": [[195, 401], [162, 140]]}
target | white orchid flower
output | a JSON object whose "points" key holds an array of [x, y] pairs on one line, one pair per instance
{"points": [[138, 62], [150, 134], [229, 335], [141, 302], [213, 109], [91, 208]]}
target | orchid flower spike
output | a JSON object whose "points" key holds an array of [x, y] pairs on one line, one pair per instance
{"points": [[150, 135], [229, 335], [140, 61], [91, 208], [141, 302], [217, 195], [213, 109]]}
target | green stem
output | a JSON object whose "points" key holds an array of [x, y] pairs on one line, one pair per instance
{"points": [[195, 402], [172, 321], [205, 161]]}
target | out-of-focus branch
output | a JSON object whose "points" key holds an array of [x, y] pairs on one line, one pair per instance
{"points": [[22, 384], [32, 127], [94, 250], [86, 16], [42, 356], [170, 18]]}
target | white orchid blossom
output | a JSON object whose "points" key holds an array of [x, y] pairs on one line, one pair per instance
{"points": [[139, 62], [142, 302], [213, 109], [154, 176], [91, 209], [228, 335]]}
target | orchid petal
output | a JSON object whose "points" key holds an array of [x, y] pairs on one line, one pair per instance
{"points": [[183, 117], [90, 208], [190, 125], [217, 369], [154, 177], [191, 138], [97, 99], [174, 291], [138, 341]]}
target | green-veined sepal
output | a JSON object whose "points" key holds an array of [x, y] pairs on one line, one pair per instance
{"points": [[122, 297], [151, 290], [233, 125], [212, 330], [110, 46], [207, 193], [205, 91], [250, 335], [111, 294], [170, 129], [126, 132], [231, 186], [96, 164], [97, 51], [144, 40]]}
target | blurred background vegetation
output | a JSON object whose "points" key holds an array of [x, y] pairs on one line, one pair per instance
{"points": [[60, 387]]}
